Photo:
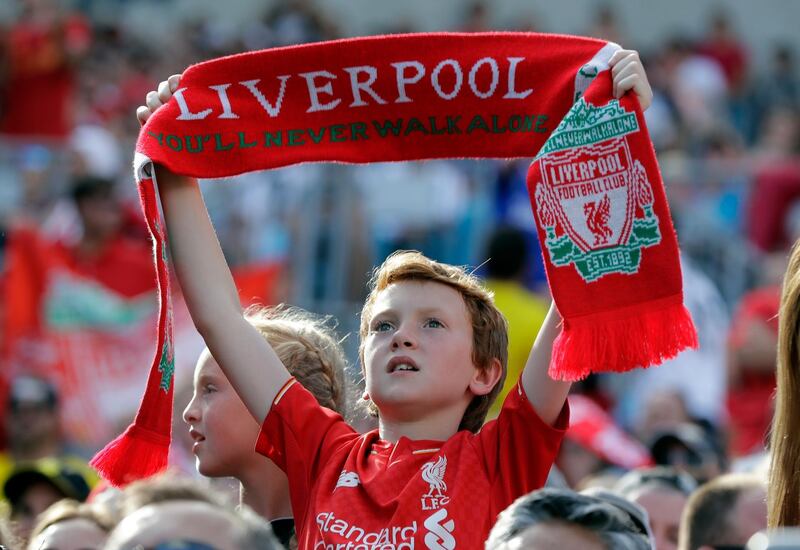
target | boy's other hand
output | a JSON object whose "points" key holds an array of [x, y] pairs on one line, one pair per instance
{"points": [[628, 74], [156, 99]]}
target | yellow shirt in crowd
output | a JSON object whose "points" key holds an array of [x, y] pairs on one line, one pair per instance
{"points": [[525, 312]]}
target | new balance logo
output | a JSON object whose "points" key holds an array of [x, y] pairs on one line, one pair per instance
{"points": [[439, 535], [347, 479]]}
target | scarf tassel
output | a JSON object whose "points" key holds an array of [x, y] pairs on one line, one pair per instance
{"points": [[136, 454], [641, 337]]}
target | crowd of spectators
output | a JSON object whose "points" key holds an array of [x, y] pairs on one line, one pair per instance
{"points": [[78, 298]]}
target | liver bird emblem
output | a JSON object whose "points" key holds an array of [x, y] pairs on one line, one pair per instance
{"points": [[597, 215], [433, 473]]}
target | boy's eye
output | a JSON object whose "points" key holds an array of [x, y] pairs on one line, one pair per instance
{"points": [[381, 326], [434, 323], [209, 388]]}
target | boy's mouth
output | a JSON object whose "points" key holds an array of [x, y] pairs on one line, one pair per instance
{"points": [[401, 364]]}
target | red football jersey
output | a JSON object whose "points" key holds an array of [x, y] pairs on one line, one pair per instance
{"points": [[355, 491]]}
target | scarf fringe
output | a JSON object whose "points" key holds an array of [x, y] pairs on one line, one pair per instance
{"points": [[642, 338], [137, 453]]}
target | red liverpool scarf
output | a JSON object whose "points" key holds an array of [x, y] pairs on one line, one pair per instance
{"points": [[610, 249]]}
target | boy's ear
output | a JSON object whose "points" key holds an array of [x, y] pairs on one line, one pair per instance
{"points": [[484, 380]]}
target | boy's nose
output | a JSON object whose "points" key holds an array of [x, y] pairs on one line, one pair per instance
{"points": [[403, 338]]}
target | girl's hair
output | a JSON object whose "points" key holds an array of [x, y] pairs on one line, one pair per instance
{"points": [[68, 509], [308, 348], [783, 500]]}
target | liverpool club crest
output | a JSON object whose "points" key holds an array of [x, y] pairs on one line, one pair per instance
{"points": [[594, 202]]}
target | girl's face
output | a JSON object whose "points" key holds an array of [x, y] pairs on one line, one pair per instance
{"points": [[223, 431]]}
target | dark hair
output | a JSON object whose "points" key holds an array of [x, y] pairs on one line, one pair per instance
{"points": [[86, 187], [613, 524], [671, 478], [705, 519], [507, 253]]}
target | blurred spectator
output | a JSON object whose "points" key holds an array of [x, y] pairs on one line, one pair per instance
{"points": [[413, 205], [506, 267], [33, 427], [606, 26], [697, 86], [35, 486], [690, 386], [782, 87], [112, 248], [690, 448], [752, 355], [477, 18], [662, 492], [71, 525], [81, 309], [724, 512], [178, 511], [512, 207], [96, 152], [663, 410], [723, 46], [594, 443], [559, 518], [775, 191], [40, 52]]}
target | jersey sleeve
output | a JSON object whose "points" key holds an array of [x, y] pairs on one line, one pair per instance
{"points": [[299, 435], [518, 448]]}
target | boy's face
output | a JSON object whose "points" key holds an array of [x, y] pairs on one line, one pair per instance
{"points": [[418, 351], [223, 430]]}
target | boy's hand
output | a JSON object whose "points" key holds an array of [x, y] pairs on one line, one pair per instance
{"points": [[628, 74], [156, 99]]}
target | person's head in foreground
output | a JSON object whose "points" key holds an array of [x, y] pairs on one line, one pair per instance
{"points": [[308, 349], [784, 483], [725, 512], [71, 525], [7, 538], [783, 538], [433, 344], [34, 486], [662, 492], [565, 520], [168, 512]]}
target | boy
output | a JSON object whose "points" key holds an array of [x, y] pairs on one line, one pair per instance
{"points": [[433, 353]]}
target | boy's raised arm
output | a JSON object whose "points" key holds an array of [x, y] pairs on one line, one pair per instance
{"points": [[545, 394], [210, 293]]}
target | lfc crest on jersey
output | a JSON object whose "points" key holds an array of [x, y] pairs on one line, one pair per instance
{"points": [[594, 201]]}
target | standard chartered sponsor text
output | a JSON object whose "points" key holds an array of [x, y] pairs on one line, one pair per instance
{"points": [[388, 538]]}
